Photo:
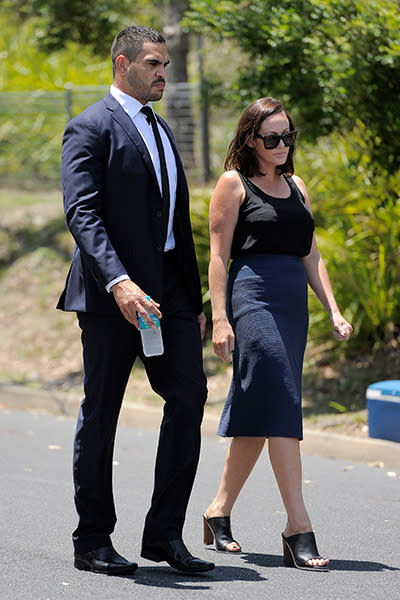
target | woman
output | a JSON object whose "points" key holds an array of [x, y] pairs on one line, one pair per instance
{"points": [[260, 216]]}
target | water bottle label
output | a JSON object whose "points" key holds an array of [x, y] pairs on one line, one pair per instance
{"points": [[144, 325]]}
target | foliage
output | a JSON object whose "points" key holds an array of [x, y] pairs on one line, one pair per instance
{"points": [[358, 236], [331, 62], [25, 67], [91, 23], [200, 198], [35, 102], [363, 257]]}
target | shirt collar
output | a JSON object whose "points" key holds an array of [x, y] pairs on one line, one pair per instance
{"points": [[128, 103]]}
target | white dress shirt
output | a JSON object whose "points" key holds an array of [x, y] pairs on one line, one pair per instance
{"points": [[132, 107]]}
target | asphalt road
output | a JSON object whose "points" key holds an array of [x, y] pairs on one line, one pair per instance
{"points": [[355, 510]]}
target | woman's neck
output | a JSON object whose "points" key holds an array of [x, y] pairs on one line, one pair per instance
{"points": [[272, 184]]}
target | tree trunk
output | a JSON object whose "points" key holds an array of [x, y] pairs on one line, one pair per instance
{"points": [[179, 97]]}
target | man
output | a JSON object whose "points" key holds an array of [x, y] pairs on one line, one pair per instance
{"points": [[126, 205]]}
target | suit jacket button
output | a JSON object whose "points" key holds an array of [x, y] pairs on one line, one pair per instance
{"points": [[159, 214]]}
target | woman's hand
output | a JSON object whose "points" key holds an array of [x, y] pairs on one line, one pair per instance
{"points": [[341, 328], [223, 339], [202, 319]]}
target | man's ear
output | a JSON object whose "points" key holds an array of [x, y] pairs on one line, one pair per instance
{"points": [[122, 64]]}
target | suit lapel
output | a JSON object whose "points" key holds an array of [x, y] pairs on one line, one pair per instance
{"points": [[125, 122]]}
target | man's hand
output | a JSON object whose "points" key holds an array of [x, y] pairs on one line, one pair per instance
{"points": [[132, 300]]}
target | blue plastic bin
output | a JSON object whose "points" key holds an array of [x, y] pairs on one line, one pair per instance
{"points": [[383, 403]]}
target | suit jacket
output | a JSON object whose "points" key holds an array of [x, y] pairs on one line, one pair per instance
{"points": [[114, 211]]}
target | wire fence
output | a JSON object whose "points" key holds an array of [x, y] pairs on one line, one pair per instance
{"points": [[32, 125]]}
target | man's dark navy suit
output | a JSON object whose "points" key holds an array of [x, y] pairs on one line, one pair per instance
{"points": [[114, 210]]}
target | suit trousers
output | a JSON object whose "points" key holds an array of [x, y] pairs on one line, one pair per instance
{"points": [[110, 347]]}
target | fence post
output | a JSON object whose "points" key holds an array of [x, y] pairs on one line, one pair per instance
{"points": [[204, 117], [68, 100]]}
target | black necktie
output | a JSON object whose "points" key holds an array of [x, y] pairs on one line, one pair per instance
{"points": [[146, 110]]}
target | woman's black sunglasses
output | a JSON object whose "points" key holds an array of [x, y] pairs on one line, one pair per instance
{"points": [[271, 141]]}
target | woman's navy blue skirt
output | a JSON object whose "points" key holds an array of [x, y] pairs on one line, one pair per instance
{"points": [[268, 310]]}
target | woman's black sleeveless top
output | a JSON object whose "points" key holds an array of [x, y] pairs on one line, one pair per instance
{"points": [[268, 225]]}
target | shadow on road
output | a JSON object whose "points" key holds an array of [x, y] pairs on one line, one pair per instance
{"points": [[274, 560], [165, 577], [359, 565]]}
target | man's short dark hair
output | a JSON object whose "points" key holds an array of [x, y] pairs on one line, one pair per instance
{"points": [[129, 42]]}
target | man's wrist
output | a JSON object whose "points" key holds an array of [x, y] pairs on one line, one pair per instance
{"points": [[123, 277]]}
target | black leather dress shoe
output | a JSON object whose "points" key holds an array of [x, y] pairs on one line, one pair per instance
{"points": [[104, 560], [175, 553]]}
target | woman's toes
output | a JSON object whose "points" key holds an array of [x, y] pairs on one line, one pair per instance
{"points": [[318, 562], [232, 547]]}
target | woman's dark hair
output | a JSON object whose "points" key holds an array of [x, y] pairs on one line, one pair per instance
{"points": [[129, 42], [241, 156]]}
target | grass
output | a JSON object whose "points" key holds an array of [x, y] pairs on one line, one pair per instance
{"points": [[14, 200]]}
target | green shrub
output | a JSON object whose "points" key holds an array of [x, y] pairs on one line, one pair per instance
{"points": [[357, 215], [200, 198]]}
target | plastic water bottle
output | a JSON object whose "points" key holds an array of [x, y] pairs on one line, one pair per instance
{"points": [[152, 341]]}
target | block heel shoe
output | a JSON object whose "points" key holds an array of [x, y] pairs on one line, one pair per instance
{"points": [[218, 529], [298, 549]]}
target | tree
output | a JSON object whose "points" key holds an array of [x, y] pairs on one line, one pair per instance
{"points": [[335, 63], [88, 22], [179, 109]]}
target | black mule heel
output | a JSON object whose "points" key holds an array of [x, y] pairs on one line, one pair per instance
{"points": [[219, 529], [298, 549]]}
